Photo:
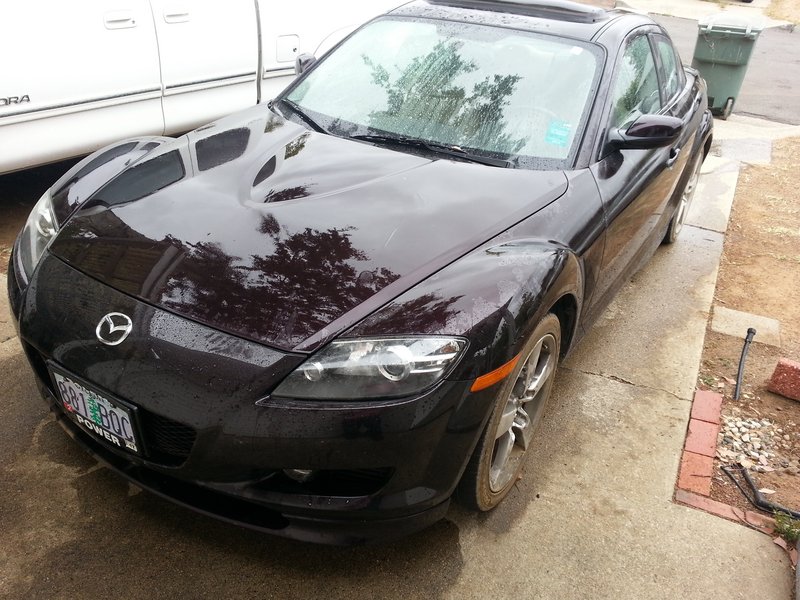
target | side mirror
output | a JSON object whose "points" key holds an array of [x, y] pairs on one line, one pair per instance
{"points": [[303, 63], [648, 131]]}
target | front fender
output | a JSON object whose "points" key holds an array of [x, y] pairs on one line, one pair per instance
{"points": [[86, 177], [493, 296]]}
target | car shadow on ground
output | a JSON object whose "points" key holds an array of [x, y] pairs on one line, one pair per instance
{"points": [[66, 515], [67, 520], [71, 514], [134, 536]]}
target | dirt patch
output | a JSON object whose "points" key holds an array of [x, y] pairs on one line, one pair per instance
{"points": [[784, 10], [18, 193], [12, 218], [759, 274]]}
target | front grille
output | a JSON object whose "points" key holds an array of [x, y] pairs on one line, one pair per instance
{"points": [[167, 441], [333, 482], [356, 482]]}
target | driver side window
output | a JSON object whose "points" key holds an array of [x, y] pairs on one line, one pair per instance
{"points": [[636, 89]]}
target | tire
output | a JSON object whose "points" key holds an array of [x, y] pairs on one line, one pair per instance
{"points": [[498, 459], [685, 202]]}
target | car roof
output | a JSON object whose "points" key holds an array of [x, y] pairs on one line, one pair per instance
{"points": [[558, 17]]}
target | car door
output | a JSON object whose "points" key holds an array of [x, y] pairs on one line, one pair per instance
{"points": [[635, 185], [208, 56], [81, 75]]}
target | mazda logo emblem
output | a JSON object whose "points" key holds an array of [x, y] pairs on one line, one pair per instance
{"points": [[114, 328]]}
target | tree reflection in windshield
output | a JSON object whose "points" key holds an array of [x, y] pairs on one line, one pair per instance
{"points": [[424, 102], [493, 91]]}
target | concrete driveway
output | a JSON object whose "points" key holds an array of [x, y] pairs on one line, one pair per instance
{"points": [[593, 516]]}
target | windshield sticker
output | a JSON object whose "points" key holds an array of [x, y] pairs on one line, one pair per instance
{"points": [[558, 133]]}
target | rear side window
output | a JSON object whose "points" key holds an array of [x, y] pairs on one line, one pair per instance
{"points": [[636, 90], [673, 70]]}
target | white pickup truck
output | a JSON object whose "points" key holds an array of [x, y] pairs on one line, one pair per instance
{"points": [[77, 75]]}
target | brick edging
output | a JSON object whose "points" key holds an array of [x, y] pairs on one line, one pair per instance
{"points": [[748, 517], [693, 487], [700, 446]]}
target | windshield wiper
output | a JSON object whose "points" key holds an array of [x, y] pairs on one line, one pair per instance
{"points": [[444, 149], [300, 113]]}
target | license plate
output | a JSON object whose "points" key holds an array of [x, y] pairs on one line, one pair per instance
{"points": [[101, 416]]}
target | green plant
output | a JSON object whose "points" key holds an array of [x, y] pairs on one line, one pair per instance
{"points": [[706, 379], [787, 527]]}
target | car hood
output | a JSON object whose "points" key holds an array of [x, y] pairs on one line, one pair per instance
{"points": [[258, 227]]}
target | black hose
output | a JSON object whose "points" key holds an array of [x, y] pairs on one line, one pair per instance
{"points": [[757, 498], [750, 334], [729, 472]]}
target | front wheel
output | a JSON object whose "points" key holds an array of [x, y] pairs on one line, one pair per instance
{"points": [[498, 459], [678, 219]]}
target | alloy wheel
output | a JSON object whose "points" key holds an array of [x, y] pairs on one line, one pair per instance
{"points": [[522, 412]]}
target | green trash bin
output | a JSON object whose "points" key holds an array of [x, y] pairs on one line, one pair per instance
{"points": [[724, 45]]}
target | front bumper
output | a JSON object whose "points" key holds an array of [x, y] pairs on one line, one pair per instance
{"points": [[245, 513], [383, 469]]}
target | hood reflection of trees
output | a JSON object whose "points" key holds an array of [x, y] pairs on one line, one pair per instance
{"points": [[425, 102], [310, 278]]}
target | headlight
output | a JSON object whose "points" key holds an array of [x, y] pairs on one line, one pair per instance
{"points": [[40, 228], [373, 368]]}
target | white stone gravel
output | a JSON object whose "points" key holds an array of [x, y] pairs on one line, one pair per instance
{"points": [[756, 444]]}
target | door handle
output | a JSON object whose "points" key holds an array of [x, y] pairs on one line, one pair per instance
{"points": [[674, 153], [177, 16], [119, 19]]}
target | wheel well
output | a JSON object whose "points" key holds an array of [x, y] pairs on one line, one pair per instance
{"points": [[566, 309]]}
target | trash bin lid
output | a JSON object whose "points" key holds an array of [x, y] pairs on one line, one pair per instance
{"points": [[732, 23]]}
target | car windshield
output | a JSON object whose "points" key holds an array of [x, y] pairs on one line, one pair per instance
{"points": [[488, 90]]}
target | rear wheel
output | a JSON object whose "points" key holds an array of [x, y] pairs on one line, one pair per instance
{"points": [[678, 219], [498, 459]]}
